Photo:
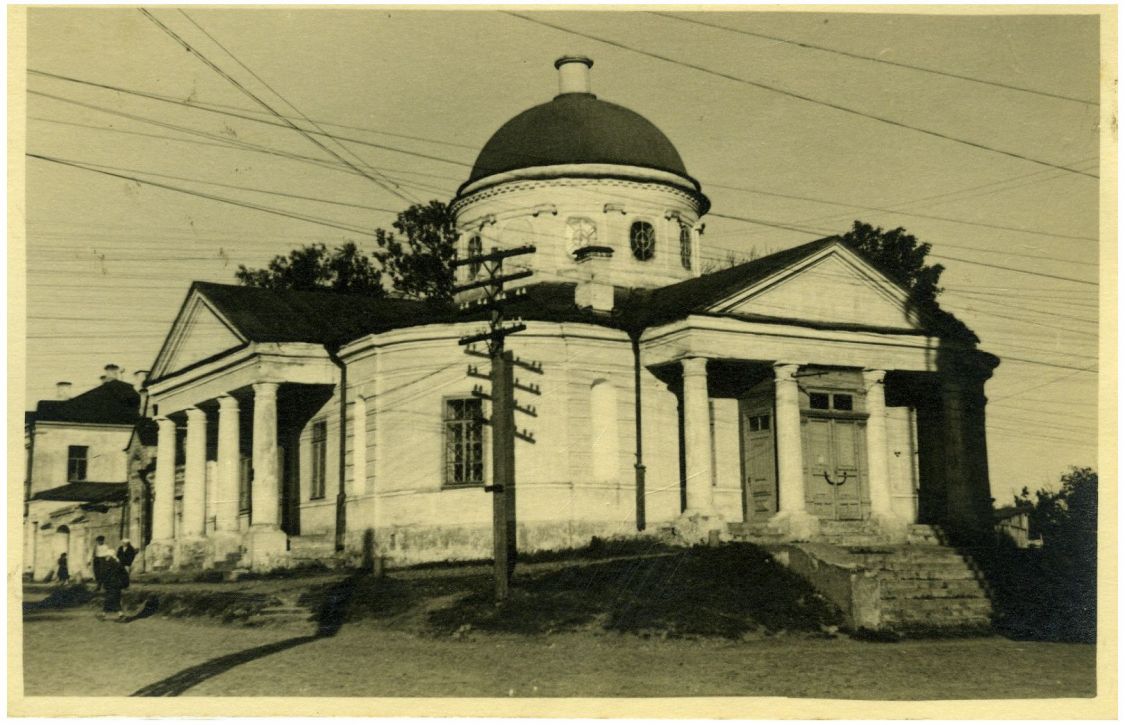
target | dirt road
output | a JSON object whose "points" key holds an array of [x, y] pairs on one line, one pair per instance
{"points": [[69, 652]]}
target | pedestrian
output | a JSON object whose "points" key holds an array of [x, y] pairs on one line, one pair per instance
{"points": [[101, 552], [114, 579], [126, 553], [63, 570]]}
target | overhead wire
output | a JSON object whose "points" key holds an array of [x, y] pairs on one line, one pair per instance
{"points": [[874, 59], [801, 97], [388, 186]]}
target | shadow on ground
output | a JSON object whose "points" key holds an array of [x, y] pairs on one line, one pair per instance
{"points": [[329, 617]]}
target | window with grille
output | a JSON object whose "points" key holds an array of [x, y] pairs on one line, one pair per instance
{"points": [[464, 444], [476, 248], [685, 246], [76, 463], [319, 459], [642, 240]]}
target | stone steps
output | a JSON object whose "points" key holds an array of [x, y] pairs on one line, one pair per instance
{"points": [[281, 615]]}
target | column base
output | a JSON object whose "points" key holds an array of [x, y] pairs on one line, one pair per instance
{"points": [[192, 553], [700, 527], [796, 525], [266, 548], [158, 555], [891, 525], [225, 545]]}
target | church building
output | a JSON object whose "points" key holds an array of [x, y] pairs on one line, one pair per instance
{"points": [[775, 398]]}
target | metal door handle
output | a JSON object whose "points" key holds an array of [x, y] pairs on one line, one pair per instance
{"points": [[841, 482]]}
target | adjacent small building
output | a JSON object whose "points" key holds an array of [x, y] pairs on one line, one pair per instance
{"points": [[76, 473], [800, 388]]}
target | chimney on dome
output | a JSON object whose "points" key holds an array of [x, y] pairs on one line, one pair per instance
{"points": [[574, 74], [112, 372], [62, 390]]}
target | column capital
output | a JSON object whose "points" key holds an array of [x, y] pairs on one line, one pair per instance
{"points": [[227, 402], [694, 366], [874, 376], [265, 387], [164, 421], [194, 413], [785, 370]]}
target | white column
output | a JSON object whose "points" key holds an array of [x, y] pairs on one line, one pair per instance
{"points": [[264, 489], [878, 468], [226, 503], [164, 481], [195, 462], [697, 435], [359, 446], [790, 454]]}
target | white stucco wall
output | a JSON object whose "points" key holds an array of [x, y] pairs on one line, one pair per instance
{"points": [[537, 211], [105, 460]]}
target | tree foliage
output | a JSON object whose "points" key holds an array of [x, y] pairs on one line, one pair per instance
{"points": [[1051, 593], [419, 259], [899, 255], [416, 259], [315, 267]]}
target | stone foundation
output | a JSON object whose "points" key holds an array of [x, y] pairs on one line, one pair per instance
{"points": [[158, 555], [266, 548], [193, 553]]}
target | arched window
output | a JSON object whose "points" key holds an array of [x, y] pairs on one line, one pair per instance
{"points": [[603, 431], [642, 240], [685, 245], [476, 248]]}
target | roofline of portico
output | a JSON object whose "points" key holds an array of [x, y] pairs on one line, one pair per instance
{"points": [[258, 362], [717, 337]]}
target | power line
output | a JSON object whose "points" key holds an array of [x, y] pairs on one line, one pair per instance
{"points": [[248, 205], [885, 210], [284, 100], [187, 46], [1016, 269], [198, 106], [884, 61], [807, 99]]}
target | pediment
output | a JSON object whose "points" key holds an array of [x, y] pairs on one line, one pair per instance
{"points": [[199, 333], [834, 286]]}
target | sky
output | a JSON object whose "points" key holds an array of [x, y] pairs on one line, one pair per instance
{"points": [[978, 134]]}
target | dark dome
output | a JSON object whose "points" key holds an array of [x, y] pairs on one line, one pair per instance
{"points": [[577, 128]]}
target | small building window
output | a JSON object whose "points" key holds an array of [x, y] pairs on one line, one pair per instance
{"points": [[319, 459], [76, 463], [464, 442], [685, 246], [476, 248], [818, 401], [841, 402], [642, 240]]}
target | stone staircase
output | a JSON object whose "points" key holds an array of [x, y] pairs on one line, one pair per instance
{"points": [[928, 589], [920, 587], [313, 549]]}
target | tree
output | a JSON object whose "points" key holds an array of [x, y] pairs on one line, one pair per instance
{"points": [[420, 266], [314, 267], [899, 255], [418, 260]]}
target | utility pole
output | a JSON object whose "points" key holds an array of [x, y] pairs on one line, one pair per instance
{"points": [[502, 395]]}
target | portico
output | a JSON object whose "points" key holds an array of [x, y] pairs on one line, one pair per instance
{"points": [[219, 420]]}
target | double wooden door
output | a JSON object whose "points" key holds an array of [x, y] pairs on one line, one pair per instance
{"points": [[835, 466]]}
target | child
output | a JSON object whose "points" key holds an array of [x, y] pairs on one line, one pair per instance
{"points": [[64, 570]]}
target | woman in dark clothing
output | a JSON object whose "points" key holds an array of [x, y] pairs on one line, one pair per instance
{"points": [[64, 570], [114, 579]]}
